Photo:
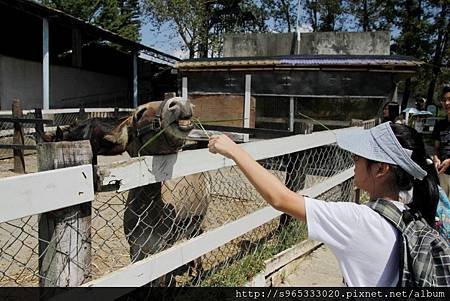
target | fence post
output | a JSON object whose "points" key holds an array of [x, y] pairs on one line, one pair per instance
{"points": [[64, 234], [19, 160], [39, 126]]}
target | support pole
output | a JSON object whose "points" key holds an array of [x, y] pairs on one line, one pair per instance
{"points": [[184, 88], [64, 234], [19, 160], [291, 114], [248, 83], [135, 80], [45, 66], [76, 48]]}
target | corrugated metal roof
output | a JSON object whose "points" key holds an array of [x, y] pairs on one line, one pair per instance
{"points": [[304, 61]]}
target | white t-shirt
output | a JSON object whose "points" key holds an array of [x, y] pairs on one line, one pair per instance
{"points": [[365, 244]]}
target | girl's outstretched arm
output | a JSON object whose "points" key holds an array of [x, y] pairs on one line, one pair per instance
{"points": [[269, 186]]}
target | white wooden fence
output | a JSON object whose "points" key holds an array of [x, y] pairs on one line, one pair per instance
{"points": [[36, 193]]}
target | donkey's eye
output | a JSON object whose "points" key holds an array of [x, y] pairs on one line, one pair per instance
{"points": [[140, 114], [172, 104]]}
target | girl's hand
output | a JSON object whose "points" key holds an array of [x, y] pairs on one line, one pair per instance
{"points": [[223, 145], [444, 166]]}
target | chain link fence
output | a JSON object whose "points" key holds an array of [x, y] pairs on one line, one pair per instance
{"points": [[129, 226]]}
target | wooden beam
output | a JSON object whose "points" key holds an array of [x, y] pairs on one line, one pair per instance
{"points": [[26, 120], [254, 132], [40, 192], [141, 171], [17, 146], [199, 135]]}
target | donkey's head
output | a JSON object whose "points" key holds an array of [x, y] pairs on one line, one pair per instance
{"points": [[169, 119]]}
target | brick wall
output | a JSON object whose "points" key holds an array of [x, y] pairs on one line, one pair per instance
{"points": [[222, 107]]}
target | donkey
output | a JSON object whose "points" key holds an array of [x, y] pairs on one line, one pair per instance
{"points": [[153, 219]]}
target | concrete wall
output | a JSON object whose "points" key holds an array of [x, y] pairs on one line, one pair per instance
{"points": [[347, 43], [272, 44], [259, 44], [23, 80]]}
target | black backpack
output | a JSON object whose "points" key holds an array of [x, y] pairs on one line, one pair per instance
{"points": [[424, 254]]}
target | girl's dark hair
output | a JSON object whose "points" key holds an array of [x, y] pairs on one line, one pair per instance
{"points": [[426, 193]]}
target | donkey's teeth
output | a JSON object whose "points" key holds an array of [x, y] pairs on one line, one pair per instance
{"points": [[184, 122]]}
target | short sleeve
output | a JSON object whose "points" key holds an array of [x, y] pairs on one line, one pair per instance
{"points": [[332, 223]]}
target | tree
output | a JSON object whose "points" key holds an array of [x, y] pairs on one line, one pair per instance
{"points": [[202, 23], [423, 26], [441, 49], [119, 16], [324, 14], [371, 15], [283, 13]]}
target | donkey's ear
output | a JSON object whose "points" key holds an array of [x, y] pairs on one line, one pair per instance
{"points": [[59, 134]]}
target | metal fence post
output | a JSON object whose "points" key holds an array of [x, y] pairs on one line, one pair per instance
{"points": [[64, 234]]}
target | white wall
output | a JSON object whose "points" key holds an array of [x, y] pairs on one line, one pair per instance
{"points": [[23, 80]]}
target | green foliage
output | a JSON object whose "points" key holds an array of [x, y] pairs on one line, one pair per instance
{"points": [[119, 16], [240, 272], [283, 13], [324, 15], [201, 24]]}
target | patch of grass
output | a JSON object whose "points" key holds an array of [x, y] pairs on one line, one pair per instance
{"points": [[240, 272]]}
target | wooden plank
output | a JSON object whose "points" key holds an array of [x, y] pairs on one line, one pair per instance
{"points": [[40, 192], [17, 146], [199, 135], [254, 132], [157, 265], [281, 259], [141, 171], [70, 111], [26, 120]]}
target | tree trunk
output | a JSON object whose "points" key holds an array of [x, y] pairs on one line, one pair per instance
{"points": [[365, 17], [406, 93], [441, 46]]}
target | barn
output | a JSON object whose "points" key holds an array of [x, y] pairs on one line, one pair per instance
{"points": [[333, 79], [49, 60]]}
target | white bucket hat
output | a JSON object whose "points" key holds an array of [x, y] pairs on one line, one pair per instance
{"points": [[380, 144]]}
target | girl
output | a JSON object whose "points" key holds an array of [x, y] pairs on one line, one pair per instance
{"points": [[390, 163]]}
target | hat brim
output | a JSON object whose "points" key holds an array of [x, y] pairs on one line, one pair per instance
{"points": [[361, 143]]}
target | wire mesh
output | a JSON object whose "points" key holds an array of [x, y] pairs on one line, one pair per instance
{"points": [[129, 226]]}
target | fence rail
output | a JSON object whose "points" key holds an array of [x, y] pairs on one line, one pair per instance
{"points": [[51, 119], [203, 209]]}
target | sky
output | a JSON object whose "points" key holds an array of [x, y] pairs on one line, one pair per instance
{"points": [[165, 40]]}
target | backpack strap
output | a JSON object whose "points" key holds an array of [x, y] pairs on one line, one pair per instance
{"points": [[399, 220], [390, 212]]}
